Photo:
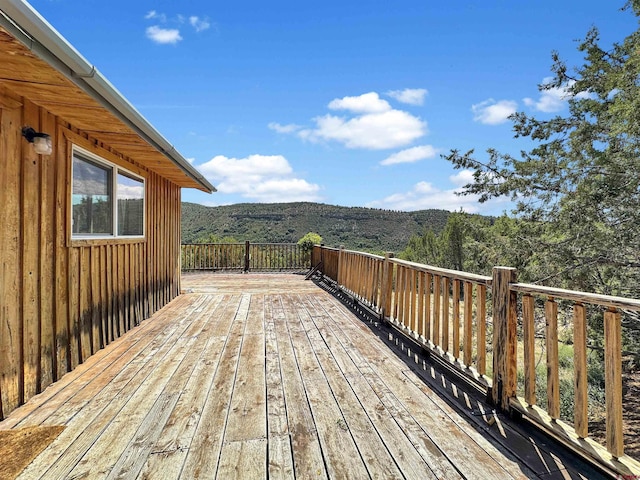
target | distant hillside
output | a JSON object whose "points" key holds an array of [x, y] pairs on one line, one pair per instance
{"points": [[354, 227]]}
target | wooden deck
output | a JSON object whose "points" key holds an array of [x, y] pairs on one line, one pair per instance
{"points": [[270, 376]]}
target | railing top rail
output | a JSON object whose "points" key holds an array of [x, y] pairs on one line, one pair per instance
{"points": [[580, 297], [355, 252], [333, 249], [455, 274], [212, 244], [275, 243], [364, 254], [239, 244]]}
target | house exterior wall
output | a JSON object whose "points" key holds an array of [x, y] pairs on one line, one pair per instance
{"points": [[61, 300]]}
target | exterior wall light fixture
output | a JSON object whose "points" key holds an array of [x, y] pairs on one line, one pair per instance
{"points": [[41, 141]]}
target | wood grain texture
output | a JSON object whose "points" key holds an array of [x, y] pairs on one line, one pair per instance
{"points": [[64, 299], [446, 297], [553, 374], [467, 337], [11, 359], [455, 351], [528, 332], [613, 381], [30, 198], [481, 315], [581, 422], [437, 301], [242, 382], [504, 334]]}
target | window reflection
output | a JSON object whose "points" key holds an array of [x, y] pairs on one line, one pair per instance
{"points": [[92, 205], [130, 205]]}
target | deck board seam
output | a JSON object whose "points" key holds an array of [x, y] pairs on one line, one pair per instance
{"points": [[318, 343], [288, 342], [154, 360], [49, 395], [383, 393], [182, 345]]}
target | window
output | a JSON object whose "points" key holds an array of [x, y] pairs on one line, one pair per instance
{"points": [[106, 200], [130, 205]]}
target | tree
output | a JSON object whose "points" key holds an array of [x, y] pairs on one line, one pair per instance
{"points": [[422, 249], [577, 191], [452, 241], [308, 241]]}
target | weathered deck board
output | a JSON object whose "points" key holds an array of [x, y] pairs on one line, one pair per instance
{"points": [[438, 418], [339, 450], [305, 444], [232, 381], [399, 447]]}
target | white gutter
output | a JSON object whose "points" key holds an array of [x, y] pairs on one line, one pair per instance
{"points": [[30, 28]]}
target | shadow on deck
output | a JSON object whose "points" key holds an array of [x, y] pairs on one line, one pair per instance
{"points": [[271, 376]]}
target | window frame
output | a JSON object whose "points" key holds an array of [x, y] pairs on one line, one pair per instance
{"points": [[115, 169]]}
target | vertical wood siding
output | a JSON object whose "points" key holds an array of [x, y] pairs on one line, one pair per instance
{"points": [[60, 302]]}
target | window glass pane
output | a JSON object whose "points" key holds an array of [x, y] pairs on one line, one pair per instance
{"points": [[92, 198], [130, 205]]}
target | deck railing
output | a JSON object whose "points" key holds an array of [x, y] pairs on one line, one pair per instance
{"points": [[244, 257], [571, 309], [482, 325]]}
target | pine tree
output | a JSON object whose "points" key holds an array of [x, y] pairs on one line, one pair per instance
{"points": [[577, 192]]}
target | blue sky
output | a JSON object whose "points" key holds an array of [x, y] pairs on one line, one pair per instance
{"points": [[342, 102]]}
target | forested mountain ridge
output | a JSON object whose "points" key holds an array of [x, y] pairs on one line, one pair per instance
{"points": [[354, 227]]}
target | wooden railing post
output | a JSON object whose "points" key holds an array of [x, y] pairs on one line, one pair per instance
{"points": [[504, 336], [246, 256], [340, 263], [386, 286], [613, 381]]}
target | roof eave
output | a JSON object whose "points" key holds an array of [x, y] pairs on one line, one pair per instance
{"points": [[30, 28]]}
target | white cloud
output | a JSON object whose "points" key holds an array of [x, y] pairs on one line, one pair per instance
{"points": [[553, 99], [424, 195], [491, 112], [411, 96], [462, 178], [410, 155], [163, 35], [261, 178], [154, 15], [290, 128], [372, 124], [374, 131], [198, 23], [172, 35], [366, 103]]}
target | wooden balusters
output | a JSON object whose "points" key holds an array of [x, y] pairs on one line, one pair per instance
{"points": [[481, 315], [553, 377], [427, 306], [580, 423], [406, 305], [613, 381], [437, 297], [456, 319], [445, 314], [468, 322], [528, 327], [421, 297]]}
